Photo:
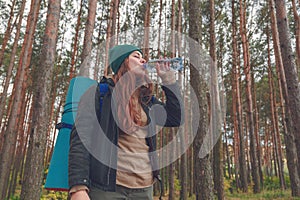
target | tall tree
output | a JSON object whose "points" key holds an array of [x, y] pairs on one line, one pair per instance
{"points": [[297, 32], [249, 99], [290, 70], [239, 143], [202, 165], [171, 167], [217, 150], [10, 66], [256, 131], [274, 118], [19, 91], [159, 27], [110, 33], [34, 167], [7, 32], [75, 44], [291, 151], [88, 42], [173, 52], [146, 29], [173, 28], [183, 160]]}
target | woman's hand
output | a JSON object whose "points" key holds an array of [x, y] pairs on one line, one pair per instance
{"points": [[163, 71], [80, 195]]}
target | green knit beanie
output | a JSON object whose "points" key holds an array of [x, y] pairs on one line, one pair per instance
{"points": [[119, 53]]}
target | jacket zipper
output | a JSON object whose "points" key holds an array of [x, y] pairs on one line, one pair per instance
{"points": [[110, 156], [109, 167]]}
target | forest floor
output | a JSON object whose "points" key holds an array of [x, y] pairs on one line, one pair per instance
{"points": [[267, 194], [264, 195]]}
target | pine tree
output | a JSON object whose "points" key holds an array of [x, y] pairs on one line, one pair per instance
{"points": [[34, 167]]}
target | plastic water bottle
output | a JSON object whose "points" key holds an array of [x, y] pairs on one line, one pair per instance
{"points": [[175, 64]]}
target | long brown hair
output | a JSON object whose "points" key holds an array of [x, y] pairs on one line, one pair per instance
{"points": [[129, 97]]}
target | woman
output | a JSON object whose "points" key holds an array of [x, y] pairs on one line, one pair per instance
{"points": [[112, 147]]}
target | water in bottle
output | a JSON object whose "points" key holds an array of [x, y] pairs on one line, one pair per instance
{"points": [[175, 64]]}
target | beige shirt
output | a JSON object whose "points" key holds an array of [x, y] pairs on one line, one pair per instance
{"points": [[134, 168]]}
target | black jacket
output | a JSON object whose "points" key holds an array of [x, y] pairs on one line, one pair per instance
{"points": [[93, 152]]}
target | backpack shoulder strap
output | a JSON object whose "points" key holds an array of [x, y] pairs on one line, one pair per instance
{"points": [[103, 89]]}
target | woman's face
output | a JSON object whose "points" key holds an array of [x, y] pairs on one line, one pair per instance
{"points": [[135, 63]]}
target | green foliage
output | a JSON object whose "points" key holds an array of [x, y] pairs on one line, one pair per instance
{"points": [[273, 183], [15, 197], [177, 185], [275, 194], [54, 195], [271, 190], [229, 184]]}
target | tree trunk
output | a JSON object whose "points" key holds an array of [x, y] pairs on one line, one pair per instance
{"points": [[179, 26], [146, 29], [274, 119], [88, 42], [52, 117], [114, 21], [20, 82], [183, 139], [173, 29], [76, 38], [291, 152], [274, 155], [7, 32], [256, 131], [171, 168], [202, 165], [239, 143], [17, 157], [217, 150], [34, 167], [10, 67], [183, 175], [159, 27], [248, 79], [297, 32], [218, 169], [290, 70], [227, 157], [110, 33], [97, 72]]}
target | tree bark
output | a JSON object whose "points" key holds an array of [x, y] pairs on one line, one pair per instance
{"points": [[274, 119], [183, 138], [256, 131], [239, 143], [290, 71], [291, 150], [146, 29], [19, 88], [88, 42], [10, 67], [110, 33], [248, 79], [267, 154], [173, 29], [171, 167], [7, 32], [76, 38], [297, 32], [217, 150], [159, 27], [34, 167], [202, 165], [97, 71]]}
